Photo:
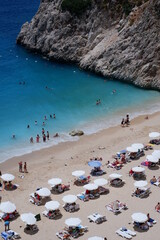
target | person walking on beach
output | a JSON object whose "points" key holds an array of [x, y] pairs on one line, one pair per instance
{"points": [[25, 167], [47, 135], [20, 166]]}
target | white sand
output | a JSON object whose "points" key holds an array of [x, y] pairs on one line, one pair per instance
{"points": [[49, 163]]}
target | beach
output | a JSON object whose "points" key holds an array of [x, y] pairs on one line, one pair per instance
{"points": [[62, 159]]}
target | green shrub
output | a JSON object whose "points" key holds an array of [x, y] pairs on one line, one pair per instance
{"points": [[75, 6]]}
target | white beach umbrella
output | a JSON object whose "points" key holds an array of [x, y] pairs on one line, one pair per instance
{"points": [[7, 177], [28, 218], [138, 169], [44, 192], [52, 205], [139, 217], [95, 238], [115, 175], [152, 158], [69, 198], [73, 222], [156, 153], [7, 207], [55, 181], [140, 184], [137, 146], [100, 182], [132, 149], [154, 134], [78, 173], [90, 186]]}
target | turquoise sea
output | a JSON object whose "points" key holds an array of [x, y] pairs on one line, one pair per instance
{"points": [[71, 93]]}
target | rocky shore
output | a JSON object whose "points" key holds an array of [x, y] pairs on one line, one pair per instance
{"points": [[103, 39]]}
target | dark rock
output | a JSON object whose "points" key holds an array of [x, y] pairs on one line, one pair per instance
{"points": [[76, 133], [102, 39]]}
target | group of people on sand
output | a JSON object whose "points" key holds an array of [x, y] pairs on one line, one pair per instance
{"points": [[21, 167], [125, 121]]}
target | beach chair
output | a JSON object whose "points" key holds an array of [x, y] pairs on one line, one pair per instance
{"points": [[103, 190], [116, 182], [97, 218], [123, 234], [6, 236], [83, 197], [82, 180], [32, 228], [14, 234], [112, 209], [97, 173], [123, 229], [156, 183], [64, 235], [83, 228]]}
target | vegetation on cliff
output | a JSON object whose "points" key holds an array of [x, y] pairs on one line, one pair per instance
{"points": [[75, 6]]}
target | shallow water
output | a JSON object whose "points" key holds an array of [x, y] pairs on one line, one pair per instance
{"points": [[71, 93]]}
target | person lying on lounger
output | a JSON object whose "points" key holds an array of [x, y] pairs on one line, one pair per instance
{"points": [[157, 207], [153, 180]]}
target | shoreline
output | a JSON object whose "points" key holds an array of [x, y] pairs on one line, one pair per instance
{"points": [[9, 163], [89, 128]]}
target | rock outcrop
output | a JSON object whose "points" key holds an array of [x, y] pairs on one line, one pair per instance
{"points": [[103, 39], [76, 133]]}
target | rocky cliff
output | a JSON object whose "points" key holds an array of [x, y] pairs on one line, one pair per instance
{"points": [[104, 38]]}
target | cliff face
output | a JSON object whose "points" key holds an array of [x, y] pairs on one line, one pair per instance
{"points": [[102, 39]]}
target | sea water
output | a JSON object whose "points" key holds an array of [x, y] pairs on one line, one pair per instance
{"points": [[32, 87]]}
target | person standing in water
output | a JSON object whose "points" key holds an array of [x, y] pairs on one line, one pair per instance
{"points": [[47, 135], [37, 138]]}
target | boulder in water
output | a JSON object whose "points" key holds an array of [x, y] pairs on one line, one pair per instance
{"points": [[76, 133]]}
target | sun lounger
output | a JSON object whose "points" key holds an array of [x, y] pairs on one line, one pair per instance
{"points": [[71, 208], [110, 208], [116, 182], [97, 218], [123, 234], [144, 193], [60, 188], [123, 229], [103, 190], [143, 226], [33, 228], [97, 173], [155, 183], [6, 236], [83, 197], [63, 235], [116, 207], [14, 234], [82, 180], [83, 228]]}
